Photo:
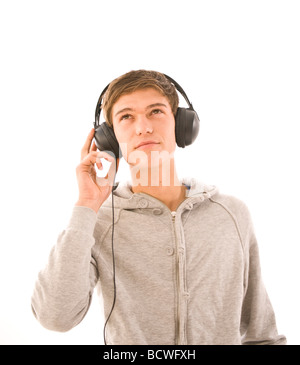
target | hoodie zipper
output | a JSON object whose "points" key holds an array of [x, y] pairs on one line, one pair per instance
{"points": [[177, 334]]}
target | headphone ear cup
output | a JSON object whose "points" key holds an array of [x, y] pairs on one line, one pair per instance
{"points": [[186, 126], [105, 140], [180, 127]]}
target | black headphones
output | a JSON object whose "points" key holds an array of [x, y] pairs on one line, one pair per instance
{"points": [[186, 125]]}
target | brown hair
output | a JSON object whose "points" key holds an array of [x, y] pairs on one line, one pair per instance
{"points": [[137, 80]]}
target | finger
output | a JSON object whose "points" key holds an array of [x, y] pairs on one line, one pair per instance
{"points": [[86, 147], [110, 177], [94, 147], [99, 164], [108, 180], [94, 157], [112, 170], [105, 155], [90, 159]]}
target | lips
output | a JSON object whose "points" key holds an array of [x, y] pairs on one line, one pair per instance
{"points": [[145, 143]]}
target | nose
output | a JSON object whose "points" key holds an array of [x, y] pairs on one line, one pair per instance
{"points": [[143, 125]]}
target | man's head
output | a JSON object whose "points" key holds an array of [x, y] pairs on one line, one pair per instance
{"points": [[141, 106]]}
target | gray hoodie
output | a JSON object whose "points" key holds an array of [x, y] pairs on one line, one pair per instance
{"points": [[187, 277]]}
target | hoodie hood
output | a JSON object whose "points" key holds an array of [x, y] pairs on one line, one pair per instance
{"points": [[124, 198]]}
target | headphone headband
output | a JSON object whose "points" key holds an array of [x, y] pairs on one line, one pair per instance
{"points": [[180, 89], [172, 81]]}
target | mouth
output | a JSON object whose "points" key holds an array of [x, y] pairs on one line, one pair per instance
{"points": [[146, 144]]}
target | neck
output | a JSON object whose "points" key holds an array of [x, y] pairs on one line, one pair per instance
{"points": [[161, 183]]}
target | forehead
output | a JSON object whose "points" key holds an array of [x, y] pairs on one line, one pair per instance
{"points": [[139, 99]]}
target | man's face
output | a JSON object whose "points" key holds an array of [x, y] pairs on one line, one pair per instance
{"points": [[141, 117]]}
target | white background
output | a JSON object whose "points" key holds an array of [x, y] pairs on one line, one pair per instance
{"points": [[238, 61]]}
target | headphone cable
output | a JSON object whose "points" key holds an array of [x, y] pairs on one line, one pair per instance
{"points": [[113, 255]]}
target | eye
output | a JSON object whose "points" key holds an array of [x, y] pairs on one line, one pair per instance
{"points": [[125, 116], [156, 111]]}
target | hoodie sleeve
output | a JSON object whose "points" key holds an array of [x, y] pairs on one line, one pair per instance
{"points": [[64, 288], [258, 324]]}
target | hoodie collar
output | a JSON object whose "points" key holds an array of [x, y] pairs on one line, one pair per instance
{"points": [[124, 198]]}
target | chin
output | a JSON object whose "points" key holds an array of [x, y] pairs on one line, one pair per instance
{"points": [[151, 159]]}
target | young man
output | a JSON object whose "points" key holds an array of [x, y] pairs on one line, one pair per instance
{"points": [[186, 259]]}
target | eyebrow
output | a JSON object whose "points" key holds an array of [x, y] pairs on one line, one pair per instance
{"points": [[147, 107]]}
